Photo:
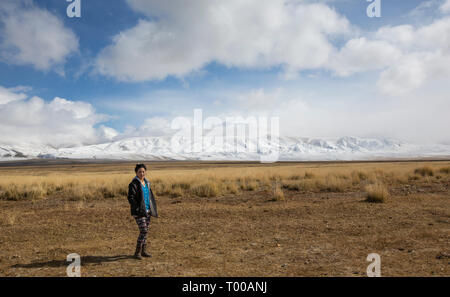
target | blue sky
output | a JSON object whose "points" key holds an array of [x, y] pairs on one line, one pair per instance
{"points": [[130, 66]]}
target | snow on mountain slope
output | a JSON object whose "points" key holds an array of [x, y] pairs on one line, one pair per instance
{"points": [[289, 148]]}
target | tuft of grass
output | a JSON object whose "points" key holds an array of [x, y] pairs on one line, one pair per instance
{"points": [[377, 193], [15, 192], [176, 191], [276, 177], [162, 188], [308, 185], [232, 188], [208, 189], [278, 194], [445, 170], [332, 183], [308, 175], [182, 185], [295, 177], [414, 177], [106, 192], [424, 171], [402, 178], [291, 185], [248, 184], [80, 192], [357, 177]]}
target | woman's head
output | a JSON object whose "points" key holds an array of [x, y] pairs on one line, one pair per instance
{"points": [[140, 170]]}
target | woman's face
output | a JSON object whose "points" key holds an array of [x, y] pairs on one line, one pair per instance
{"points": [[141, 173]]}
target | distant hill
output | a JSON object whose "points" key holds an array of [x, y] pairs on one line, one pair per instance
{"points": [[288, 149]]}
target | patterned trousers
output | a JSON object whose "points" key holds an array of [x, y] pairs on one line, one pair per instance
{"points": [[143, 225]]}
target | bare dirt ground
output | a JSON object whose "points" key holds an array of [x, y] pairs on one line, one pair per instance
{"points": [[250, 234]]}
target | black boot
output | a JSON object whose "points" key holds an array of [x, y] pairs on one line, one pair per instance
{"points": [[137, 252], [143, 252]]}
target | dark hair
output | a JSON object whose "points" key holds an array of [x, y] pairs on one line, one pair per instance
{"points": [[138, 166]]}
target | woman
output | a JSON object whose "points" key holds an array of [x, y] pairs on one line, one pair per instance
{"points": [[143, 205]]}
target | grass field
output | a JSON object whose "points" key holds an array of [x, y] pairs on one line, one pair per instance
{"points": [[229, 219]]}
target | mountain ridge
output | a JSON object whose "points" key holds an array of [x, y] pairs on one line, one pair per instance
{"points": [[232, 148]]}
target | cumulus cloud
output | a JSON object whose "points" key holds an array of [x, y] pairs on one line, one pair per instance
{"points": [[60, 122], [30, 35], [79, 110], [107, 133], [178, 37], [408, 56], [445, 7], [425, 52], [8, 95], [360, 55], [412, 71]]}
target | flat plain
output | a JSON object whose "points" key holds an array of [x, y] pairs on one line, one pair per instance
{"points": [[228, 218]]}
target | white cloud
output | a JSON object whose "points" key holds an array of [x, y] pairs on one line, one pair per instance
{"points": [[425, 54], [352, 111], [155, 126], [407, 74], [258, 99], [33, 36], [180, 37], [151, 127], [61, 122], [435, 36], [8, 95], [421, 10], [445, 7], [402, 36], [360, 54], [408, 57], [78, 109], [413, 71], [428, 38], [107, 133], [409, 117]]}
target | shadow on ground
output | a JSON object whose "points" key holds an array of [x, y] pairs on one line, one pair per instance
{"points": [[84, 260]]}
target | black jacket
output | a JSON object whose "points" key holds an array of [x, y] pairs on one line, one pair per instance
{"points": [[136, 199]]}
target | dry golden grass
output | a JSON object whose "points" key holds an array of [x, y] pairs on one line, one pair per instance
{"points": [[377, 193], [221, 219], [424, 171], [208, 189], [213, 182], [278, 194], [445, 170]]}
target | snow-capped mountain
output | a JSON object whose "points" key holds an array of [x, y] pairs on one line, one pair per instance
{"points": [[288, 148]]}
